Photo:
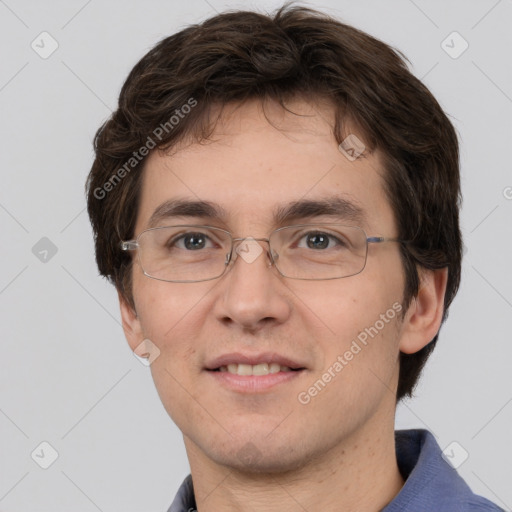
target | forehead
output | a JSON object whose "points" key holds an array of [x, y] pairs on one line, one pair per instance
{"points": [[257, 163]]}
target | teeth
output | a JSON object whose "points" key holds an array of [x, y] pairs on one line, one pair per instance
{"points": [[257, 369], [276, 367]]}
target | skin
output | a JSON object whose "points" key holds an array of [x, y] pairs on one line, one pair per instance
{"points": [[337, 452]]}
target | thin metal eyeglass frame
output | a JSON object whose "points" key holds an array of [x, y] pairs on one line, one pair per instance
{"points": [[133, 245]]}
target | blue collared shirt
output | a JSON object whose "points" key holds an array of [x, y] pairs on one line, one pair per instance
{"points": [[431, 484]]}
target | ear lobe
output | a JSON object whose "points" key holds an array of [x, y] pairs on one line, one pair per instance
{"points": [[423, 318], [131, 323]]}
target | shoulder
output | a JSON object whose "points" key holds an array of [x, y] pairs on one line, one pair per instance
{"points": [[479, 504]]}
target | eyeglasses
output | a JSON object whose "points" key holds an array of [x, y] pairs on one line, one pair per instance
{"points": [[189, 254]]}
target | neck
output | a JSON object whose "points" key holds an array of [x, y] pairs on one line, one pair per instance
{"points": [[360, 473]]}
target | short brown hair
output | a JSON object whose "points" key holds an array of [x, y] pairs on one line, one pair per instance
{"points": [[242, 55]]}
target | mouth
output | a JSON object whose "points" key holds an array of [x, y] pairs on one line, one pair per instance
{"points": [[256, 369], [244, 373]]}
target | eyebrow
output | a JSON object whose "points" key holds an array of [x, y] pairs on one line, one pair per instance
{"points": [[334, 206]]}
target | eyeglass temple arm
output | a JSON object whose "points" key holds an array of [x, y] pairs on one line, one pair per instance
{"points": [[380, 239]]}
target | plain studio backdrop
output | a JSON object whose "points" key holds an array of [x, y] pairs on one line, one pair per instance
{"points": [[67, 375]]}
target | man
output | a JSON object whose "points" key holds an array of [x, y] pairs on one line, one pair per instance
{"points": [[276, 200]]}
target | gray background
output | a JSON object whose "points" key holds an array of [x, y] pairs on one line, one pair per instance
{"points": [[67, 376]]}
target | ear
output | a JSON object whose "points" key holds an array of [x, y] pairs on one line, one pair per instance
{"points": [[131, 323], [423, 318]]}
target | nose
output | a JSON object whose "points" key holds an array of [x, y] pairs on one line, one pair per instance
{"points": [[252, 292]]}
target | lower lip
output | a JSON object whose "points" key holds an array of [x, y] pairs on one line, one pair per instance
{"points": [[253, 383]]}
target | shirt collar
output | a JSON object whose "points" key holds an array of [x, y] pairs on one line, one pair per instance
{"points": [[430, 482]]}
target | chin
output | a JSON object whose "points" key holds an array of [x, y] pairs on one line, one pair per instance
{"points": [[256, 460]]}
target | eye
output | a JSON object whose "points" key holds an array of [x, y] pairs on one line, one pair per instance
{"points": [[191, 241], [319, 240]]}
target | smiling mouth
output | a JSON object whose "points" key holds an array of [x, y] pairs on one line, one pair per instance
{"points": [[256, 369]]}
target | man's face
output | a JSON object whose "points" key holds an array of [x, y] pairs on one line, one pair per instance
{"points": [[248, 169]]}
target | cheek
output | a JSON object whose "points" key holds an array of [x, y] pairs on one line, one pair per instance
{"points": [[361, 331], [172, 315], [164, 308], [360, 368], [169, 315]]}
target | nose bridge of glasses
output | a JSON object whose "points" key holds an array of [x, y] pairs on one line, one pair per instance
{"points": [[249, 248]]}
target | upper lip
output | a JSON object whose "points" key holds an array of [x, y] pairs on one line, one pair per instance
{"points": [[252, 359]]}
